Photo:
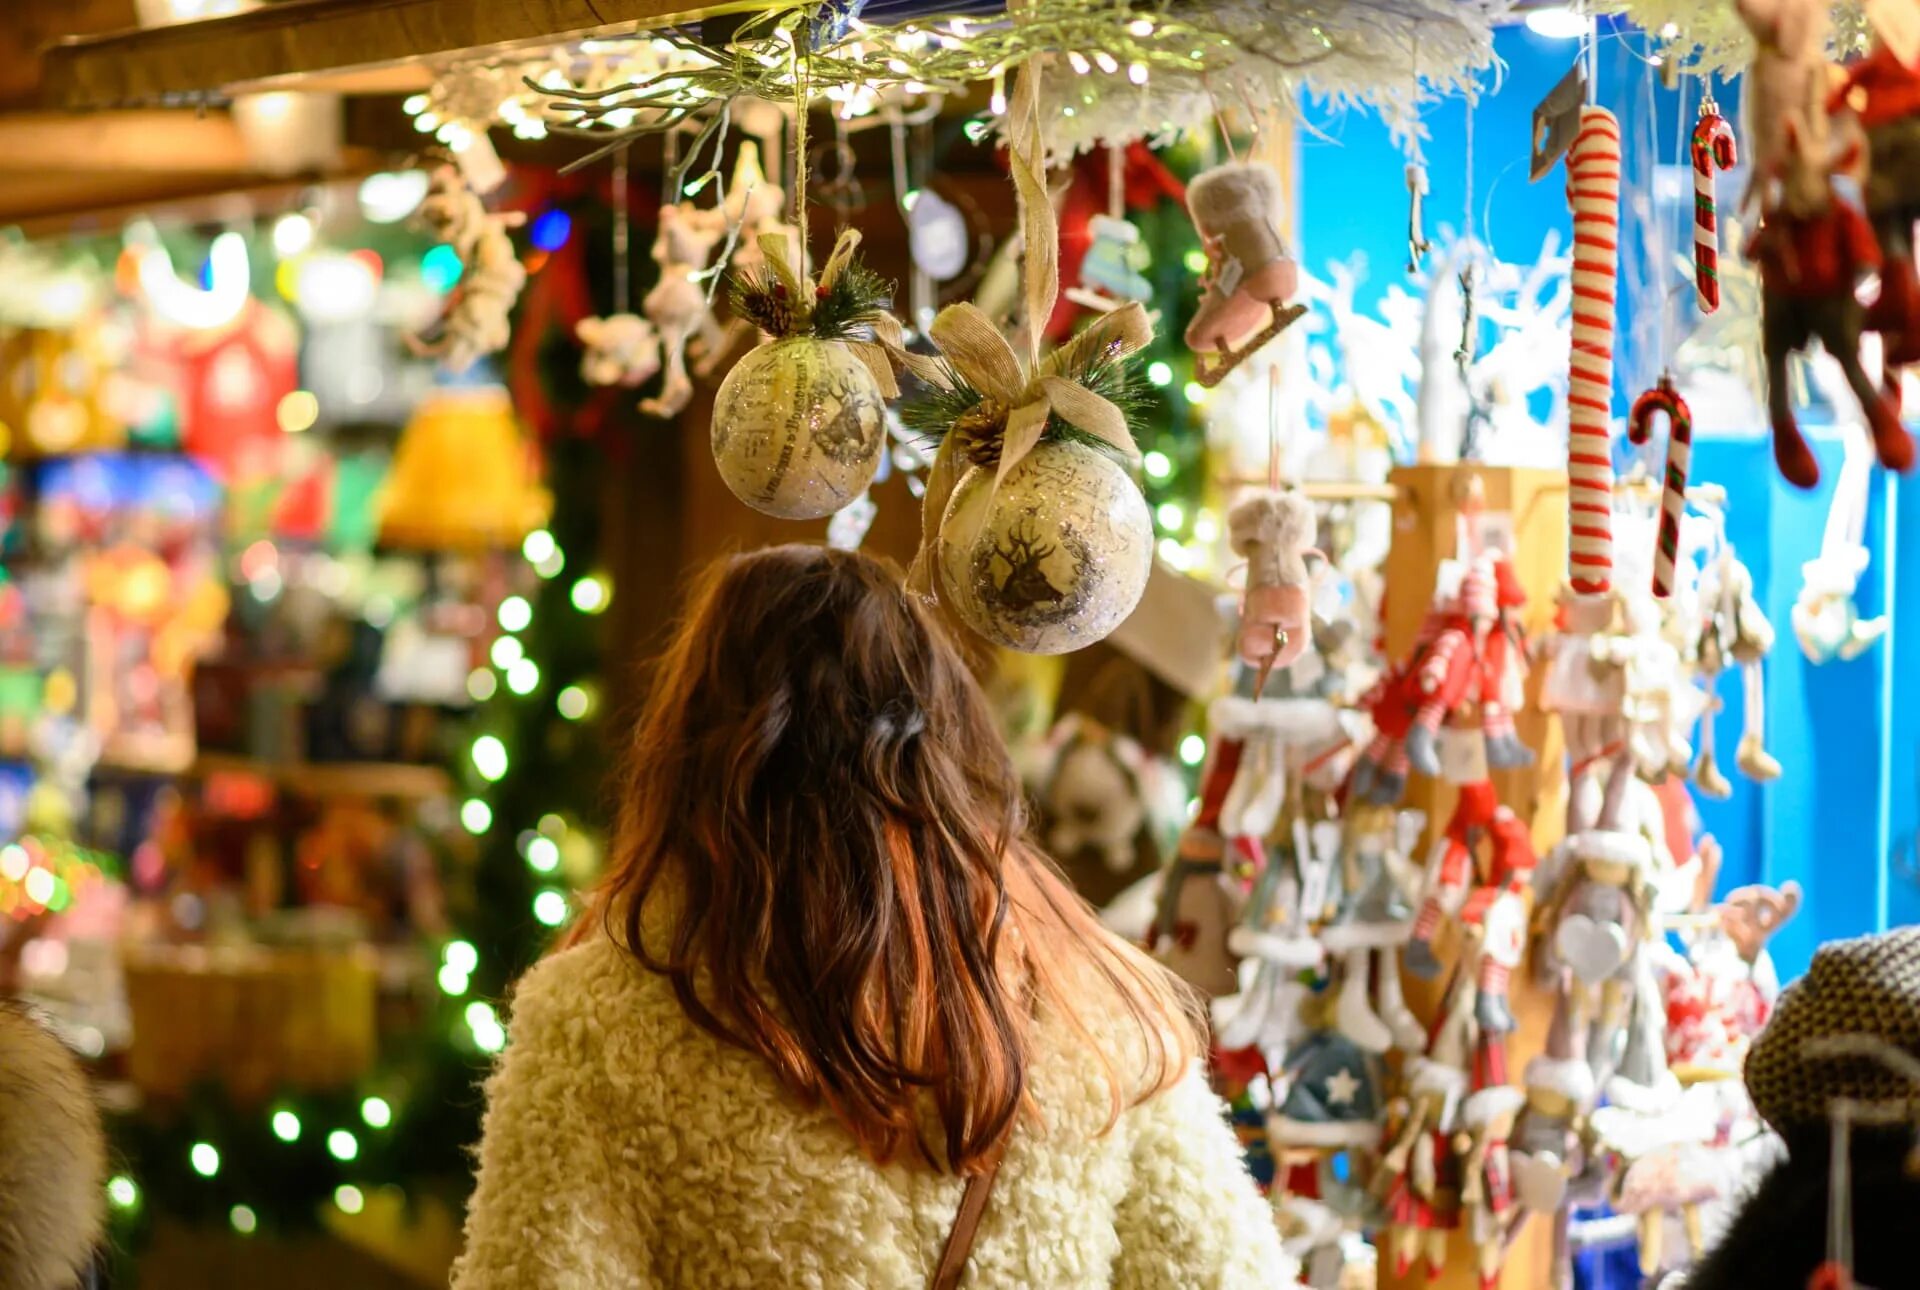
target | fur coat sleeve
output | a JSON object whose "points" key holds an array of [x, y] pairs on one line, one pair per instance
{"points": [[1191, 1215], [544, 1213], [626, 1149]]}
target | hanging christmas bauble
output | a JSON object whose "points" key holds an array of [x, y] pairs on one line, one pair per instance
{"points": [[1054, 558], [798, 427]]}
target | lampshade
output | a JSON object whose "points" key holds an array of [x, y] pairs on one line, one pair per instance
{"points": [[463, 478]]}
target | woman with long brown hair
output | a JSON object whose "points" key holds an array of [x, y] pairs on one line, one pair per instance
{"points": [[830, 988]]}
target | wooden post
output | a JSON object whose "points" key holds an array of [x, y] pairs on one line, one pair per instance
{"points": [[1425, 510]]}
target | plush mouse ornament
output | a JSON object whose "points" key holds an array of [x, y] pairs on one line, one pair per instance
{"points": [[622, 349], [677, 304], [1273, 532], [476, 324]]}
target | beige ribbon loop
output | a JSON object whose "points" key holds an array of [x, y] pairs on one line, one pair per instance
{"points": [[1083, 408], [1038, 226], [842, 256], [967, 339]]}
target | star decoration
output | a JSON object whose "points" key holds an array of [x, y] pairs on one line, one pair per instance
{"points": [[1342, 1088]]}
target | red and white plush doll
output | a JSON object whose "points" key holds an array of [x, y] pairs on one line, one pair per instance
{"points": [[1452, 872], [1468, 653]]}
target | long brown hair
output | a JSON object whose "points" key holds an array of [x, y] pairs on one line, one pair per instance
{"points": [[822, 845]]}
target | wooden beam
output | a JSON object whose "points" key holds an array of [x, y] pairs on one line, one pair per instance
{"points": [[49, 204], [30, 25], [282, 46], [143, 141]]}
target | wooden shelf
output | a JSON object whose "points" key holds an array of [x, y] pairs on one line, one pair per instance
{"points": [[333, 779], [313, 44]]}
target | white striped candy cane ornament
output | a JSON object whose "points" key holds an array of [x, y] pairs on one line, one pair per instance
{"points": [[1673, 494], [1593, 190], [1713, 147]]}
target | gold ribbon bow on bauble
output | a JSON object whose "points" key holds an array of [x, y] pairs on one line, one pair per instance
{"points": [[847, 299]]}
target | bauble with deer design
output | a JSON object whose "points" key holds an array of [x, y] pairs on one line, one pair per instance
{"points": [[1053, 559], [798, 428]]}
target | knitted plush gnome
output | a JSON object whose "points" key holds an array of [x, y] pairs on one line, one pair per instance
{"points": [[1333, 1097]]}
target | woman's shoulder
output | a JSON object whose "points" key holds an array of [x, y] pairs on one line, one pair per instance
{"points": [[594, 997]]}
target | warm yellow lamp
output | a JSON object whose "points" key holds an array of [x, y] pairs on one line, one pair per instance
{"points": [[463, 478]]}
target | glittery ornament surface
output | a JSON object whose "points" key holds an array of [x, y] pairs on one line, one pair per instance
{"points": [[1052, 560], [798, 427]]}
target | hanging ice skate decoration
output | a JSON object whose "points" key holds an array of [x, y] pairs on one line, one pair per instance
{"points": [[1033, 529], [800, 423], [1251, 278], [1273, 532], [476, 324]]}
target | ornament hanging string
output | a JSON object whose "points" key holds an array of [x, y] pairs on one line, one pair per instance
{"points": [[1022, 395], [802, 96], [622, 234]]}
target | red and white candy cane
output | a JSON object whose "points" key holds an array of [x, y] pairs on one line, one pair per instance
{"points": [[1713, 147], [1673, 494], [1593, 190]]}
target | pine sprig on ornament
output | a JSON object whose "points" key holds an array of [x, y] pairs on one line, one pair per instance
{"points": [[960, 409], [845, 308]]}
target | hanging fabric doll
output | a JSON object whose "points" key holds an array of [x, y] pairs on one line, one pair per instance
{"points": [[1883, 93], [1486, 1190], [677, 304], [1451, 870], [1812, 247], [1734, 631], [1826, 621], [1419, 1171]]}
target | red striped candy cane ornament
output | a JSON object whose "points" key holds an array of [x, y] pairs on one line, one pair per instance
{"points": [[1593, 190], [1713, 147], [1673, 494]]}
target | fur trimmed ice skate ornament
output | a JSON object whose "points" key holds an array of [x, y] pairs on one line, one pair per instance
{"points": [[476, 324], [1273, 532], [1237, 209], [799, 423], [1032, 526]]}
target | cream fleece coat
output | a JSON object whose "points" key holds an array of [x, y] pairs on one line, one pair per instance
{"points": [[625, 1147]]}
